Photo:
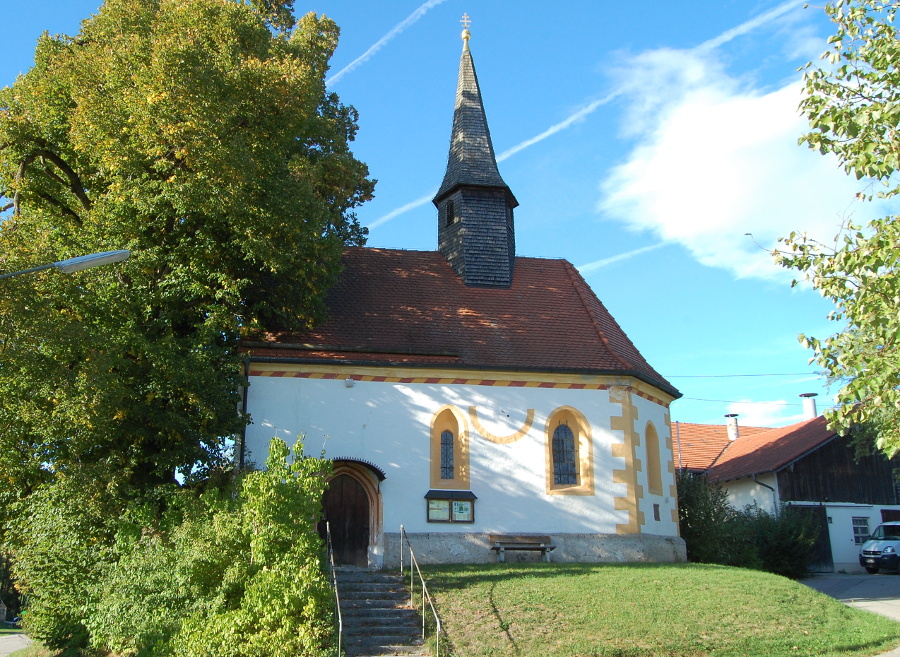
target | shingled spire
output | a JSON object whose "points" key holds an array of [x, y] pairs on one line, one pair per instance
{"points": [[475, 206]]}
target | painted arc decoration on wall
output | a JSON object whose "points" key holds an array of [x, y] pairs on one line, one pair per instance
{"points": [[501, 440]]}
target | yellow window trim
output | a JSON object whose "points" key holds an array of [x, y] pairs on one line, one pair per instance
{"points": [[585, 445], [450, 418]]}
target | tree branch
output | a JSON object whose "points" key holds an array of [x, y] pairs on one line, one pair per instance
{"points": [[75, 184]]}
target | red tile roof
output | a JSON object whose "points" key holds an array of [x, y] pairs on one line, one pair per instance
{"points": [[697, 446], [771, 450], [410, 307], [706, 448]]}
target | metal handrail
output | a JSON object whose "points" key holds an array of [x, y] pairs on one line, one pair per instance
{"points": [[426, 596], [333, 577]]}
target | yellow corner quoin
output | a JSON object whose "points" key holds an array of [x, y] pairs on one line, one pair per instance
{"points": [[673, 488], [634, 491], [501, 440]]}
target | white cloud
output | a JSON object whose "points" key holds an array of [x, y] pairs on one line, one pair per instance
{"points": [[765, 414], [714, 160]]}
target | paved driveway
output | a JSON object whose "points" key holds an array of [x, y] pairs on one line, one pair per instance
{"points": [[878, 593], [12, 642]]}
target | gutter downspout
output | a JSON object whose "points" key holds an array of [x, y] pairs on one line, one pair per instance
{"points": [[678, 438], [774, 495], [243, 437]]}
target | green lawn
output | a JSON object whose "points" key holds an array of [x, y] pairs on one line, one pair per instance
{"points": [[685, 610]]}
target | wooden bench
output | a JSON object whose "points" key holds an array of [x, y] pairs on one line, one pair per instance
{"points": [[525, 542]]}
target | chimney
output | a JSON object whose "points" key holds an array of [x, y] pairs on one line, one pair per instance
{"points": [[809, 405], [731, 420]]}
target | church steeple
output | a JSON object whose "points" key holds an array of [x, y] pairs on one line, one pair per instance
{"points": [[475, 206]]}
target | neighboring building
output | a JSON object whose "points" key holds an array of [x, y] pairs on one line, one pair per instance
{"points": [[466, 392], [805, 465]]}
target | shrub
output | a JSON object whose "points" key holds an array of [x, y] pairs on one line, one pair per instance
{"points": [[235, 571], [785, 542], [61, 545], [703, 514], [715, 532]]}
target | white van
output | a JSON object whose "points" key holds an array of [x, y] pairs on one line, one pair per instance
{"points": [[882, 550]]}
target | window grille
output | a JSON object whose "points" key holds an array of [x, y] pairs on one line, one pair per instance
{"points": [[565, 471], [860, 530], [447, 455]]}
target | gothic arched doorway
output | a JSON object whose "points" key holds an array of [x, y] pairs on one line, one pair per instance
{"points": [[346, 509], [352, 506]]}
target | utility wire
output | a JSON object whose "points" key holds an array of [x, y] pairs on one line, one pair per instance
{"points": [[741, 401], [728, 376]]}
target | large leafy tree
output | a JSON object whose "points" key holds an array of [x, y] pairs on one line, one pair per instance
{"points": [[199, 135], [853, 106]]}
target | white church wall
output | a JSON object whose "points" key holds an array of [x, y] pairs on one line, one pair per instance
{"points": [[388, 424]]}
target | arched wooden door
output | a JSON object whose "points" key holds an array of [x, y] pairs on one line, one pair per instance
{"points": [[346, 509]]}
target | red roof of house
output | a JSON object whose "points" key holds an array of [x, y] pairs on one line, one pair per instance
{"points": [[697, 446], [392, 306], [771, 450], [706, 447]]}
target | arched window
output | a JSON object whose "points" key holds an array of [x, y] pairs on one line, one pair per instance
{"points": [[447, 455], [569, 453], [449, 450], [654, 462], [565, 457]]}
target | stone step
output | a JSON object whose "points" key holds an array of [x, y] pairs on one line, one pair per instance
{"points": [[413, 630], [384, 651], [393, 592], [372, 603], [369, 618], [377, 620], [382, 636], [384, 594]]}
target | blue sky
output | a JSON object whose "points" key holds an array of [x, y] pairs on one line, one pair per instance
{"points": [[643, 142]]}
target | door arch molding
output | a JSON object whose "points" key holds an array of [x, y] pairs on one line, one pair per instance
{"points": [[365, 475]]}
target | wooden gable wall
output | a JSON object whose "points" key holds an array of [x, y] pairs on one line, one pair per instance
{"points": [[832, 473]]}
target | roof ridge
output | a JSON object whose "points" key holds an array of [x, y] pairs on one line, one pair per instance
{"points": [[579, 284]]}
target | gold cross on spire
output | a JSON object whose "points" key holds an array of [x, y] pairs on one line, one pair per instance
{"points": [[466, 21]]}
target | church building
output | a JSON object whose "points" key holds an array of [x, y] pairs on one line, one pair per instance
{"points": [[466, 393]]}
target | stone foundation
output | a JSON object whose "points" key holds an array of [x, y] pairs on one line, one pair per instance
{"points": [[447, 547]]}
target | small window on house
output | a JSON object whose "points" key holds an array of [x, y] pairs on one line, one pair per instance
{"points": [[447, 455], [860, 530], [565, 457], [450, 212]]}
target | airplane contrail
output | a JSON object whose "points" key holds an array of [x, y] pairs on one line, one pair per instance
{"points": [[378, 45]]}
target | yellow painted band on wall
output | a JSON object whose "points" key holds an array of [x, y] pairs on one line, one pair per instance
{"points": [[501, 440]]}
